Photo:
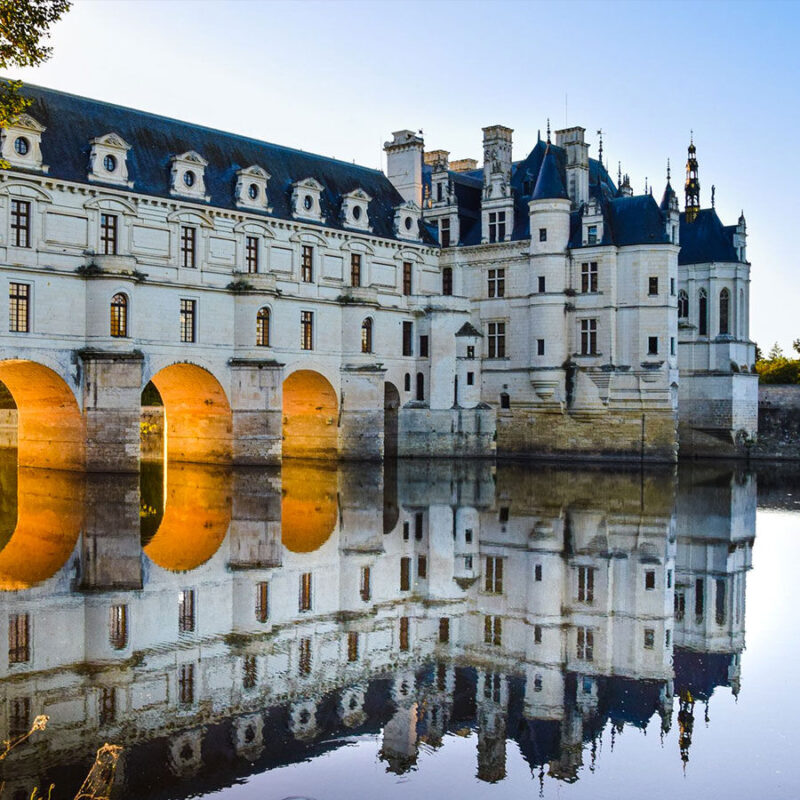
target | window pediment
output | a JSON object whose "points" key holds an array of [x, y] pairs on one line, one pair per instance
{"points": [[20, 143], [306, 195], [108, 160], [251, 188], [355, 210], [188, 176], [406, 220]]}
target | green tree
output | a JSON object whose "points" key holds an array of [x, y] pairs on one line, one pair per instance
{"points": [[24, 24], [775, 352], [796, 346]]}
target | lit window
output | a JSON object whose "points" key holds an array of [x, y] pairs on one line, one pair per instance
{"points": [[494, 575], [188, 246], [119, 315], [251, 253], [497, 283], [407, 287], [307, 265], [188, 321], [305, 592], [497, 339], [306, 330], [20, 223], [19, 307], [262, 327], [108, 234], [366, 336], [365, 584], [405, 637], [262, 601], [588, 337], [355, 269]]}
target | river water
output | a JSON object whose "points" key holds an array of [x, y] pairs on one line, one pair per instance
{"points": [[434, 629]]}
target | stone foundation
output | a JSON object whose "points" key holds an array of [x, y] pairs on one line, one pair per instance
{"points": [[446, 433], [778, 423]]}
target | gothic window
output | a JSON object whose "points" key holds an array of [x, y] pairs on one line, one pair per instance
{"points": [[407, 277], [304, 603], [108, 234], [366, 336], [19, 295], [355, 272], [444, 229], [497, 340], [447, 281], [251, 253], [307, 264], [588, 337], [494, 575], [118, 627], [683, 304], [724, 311], [702, 309], [188, 246], [186, 611], [497, 283], [306, 330], [188, 320], [20, 223], [407, 382], [262, 327], [262, 601], [119, 315], [586, 585], [497, 226], [589, 276], [19, 645], [420, 387]]}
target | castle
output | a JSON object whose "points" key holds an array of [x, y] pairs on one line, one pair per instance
{"points": [[280, 303]]}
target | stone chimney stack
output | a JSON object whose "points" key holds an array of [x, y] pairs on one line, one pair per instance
{"points": [[497, 153], [577, 151], [404, 156]]}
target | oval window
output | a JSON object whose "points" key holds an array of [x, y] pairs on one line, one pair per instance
{"points": [[188, 177], [357, 212], [110, 163], [409, 223], [252, 191], [21, 145], [308, 202]]}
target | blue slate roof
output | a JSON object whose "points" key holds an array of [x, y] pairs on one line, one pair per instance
{"points": [[549, 184], [72, 121], [706, 239]]}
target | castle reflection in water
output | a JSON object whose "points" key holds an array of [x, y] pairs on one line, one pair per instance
{"points": [[221, 623]]}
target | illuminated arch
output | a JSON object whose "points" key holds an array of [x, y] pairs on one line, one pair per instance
{"points": [[49, 520], [310, 416], [197, 514], [309, 505], [197, 415], [50, 424]]}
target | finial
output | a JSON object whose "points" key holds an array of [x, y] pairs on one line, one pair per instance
{"points": [[548, 130], [600, 150], [713, 192], [539, 135], [668, 171], [691, 136], [645, 184]]}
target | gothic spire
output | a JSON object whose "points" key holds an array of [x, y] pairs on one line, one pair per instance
{"points": [[692, 183]]}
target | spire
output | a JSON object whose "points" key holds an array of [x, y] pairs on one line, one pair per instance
{"points": [[600, 149], [619, 174], [549, 183], [713, 193], [692, 182], [668, 172], [548, 130], [645, 184]]}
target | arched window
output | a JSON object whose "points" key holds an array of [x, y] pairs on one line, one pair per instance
{"points": [[724, 311], [420, 386], [407, 382], [366, 336], [447, 281], [683, 304], [262, 327], [702, 308], [119, 315]]}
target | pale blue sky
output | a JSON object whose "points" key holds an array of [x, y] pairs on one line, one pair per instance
{"points": [[337, 77]]}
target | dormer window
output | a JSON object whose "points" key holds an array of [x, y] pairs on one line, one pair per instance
{"points": [[20, 143], [406, 220], [354, 209], [188, 176], [108, 160], [251, 188], [306, 196], [591, 236]]}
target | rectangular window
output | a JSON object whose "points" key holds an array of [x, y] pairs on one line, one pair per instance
{"points": [[503, 514], [541, 284], [591, 237], [249, 672], [19, 308], [352, 646], [355, 269], [719, 604], [422, 567], [589, 276], [672, 345], [251, 253], [418, 526], [423, 346], [118, 627], [497, 226], [406, 530], [672, 287], [649, 638], [21, 223], [585, 648], [304, 603], [108, 705], [404, 633], [470, 379], [540, 347], [493, 630], [652, 345], [699, 599], [262, 601], [306, 330], [680, 606], [407, 287], [19, 719], [444, 230], [405, 574], [307, 264], [491, 687], [19, 645], [468, 562], [186, 684], [188, 246], [669, 579], [537, 634], [468, 535], [497, 339], [408, 338], [365, 584], [444, 630], [494, 575], [668, 637], [537, 572], [497, 283], [652, 286], [588, 337], [470, 351], [188, 326], [304, 665], [186, 611], [650, 580], [586, 585], [108, 234], [542, 234]]}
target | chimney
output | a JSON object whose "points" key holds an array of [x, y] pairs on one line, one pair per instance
{"points": [[404, 164], [496, 152], [464, 165], [577, 151]]}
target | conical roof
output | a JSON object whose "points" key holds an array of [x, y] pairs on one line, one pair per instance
{"points": [[549, 184]]}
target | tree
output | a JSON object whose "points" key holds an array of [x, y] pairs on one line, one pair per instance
{"points": [[796, 346], [23, 26], [775, 352]]}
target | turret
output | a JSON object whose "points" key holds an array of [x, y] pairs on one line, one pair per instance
{"points": [[549, 209], [692, 184], [577, 151], [740, 238], [671, 211], [404, 164]]}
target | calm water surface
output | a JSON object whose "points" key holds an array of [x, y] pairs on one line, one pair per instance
{"points": [[434, 629]]}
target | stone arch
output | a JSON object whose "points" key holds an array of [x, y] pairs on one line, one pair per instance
{"points": [[309, 505], [198, 421], [310, 416], [50, 427]]}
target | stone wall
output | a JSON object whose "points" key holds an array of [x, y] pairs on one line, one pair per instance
{"points": [[778, 423], [450, 433]]}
